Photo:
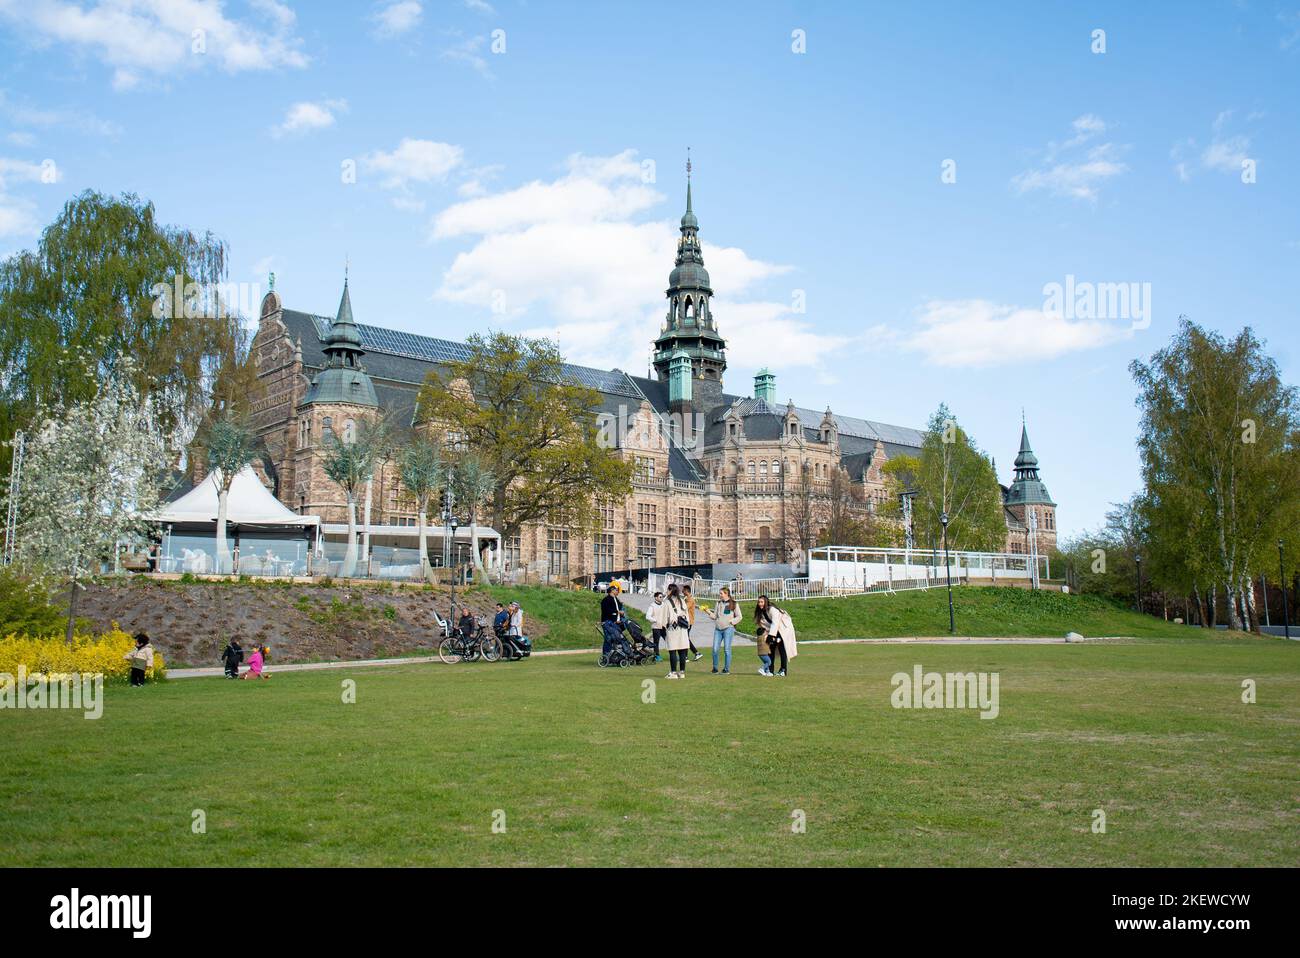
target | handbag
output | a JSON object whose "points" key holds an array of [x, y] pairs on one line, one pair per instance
{"points": [[683, 622]]}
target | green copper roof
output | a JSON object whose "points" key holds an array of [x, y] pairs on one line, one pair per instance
{"points": [[1026, 487], [344, 379]]}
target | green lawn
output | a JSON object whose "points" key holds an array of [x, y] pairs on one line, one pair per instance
{"points": [[980, 611], [1153, 732], [569, 617]]}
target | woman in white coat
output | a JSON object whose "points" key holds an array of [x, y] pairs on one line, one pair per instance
{"points": [[677, 633]]}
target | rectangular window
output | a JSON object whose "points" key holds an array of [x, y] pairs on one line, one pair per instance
{"points": [[686, 523], [645, 468], [557, 551], [603, 552], [647, 517], [647, 547], [686, 551], [510, 549]]}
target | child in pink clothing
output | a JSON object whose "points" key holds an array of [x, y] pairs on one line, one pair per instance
{"points": [[255, 661]]}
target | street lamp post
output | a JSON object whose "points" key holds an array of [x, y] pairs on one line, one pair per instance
{"points": [[1281, 578], [1138, 561], [952, 619], [453, 525]]}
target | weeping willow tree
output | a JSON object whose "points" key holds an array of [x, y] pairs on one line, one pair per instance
{"points": [[101, 285]]}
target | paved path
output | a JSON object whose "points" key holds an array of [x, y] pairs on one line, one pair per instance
{"points": [[701, 632], [704, 645]]}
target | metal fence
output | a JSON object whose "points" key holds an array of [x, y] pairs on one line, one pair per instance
{"points": [[783, 589]]}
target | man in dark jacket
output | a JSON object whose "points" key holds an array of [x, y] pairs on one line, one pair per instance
{"points": [[611, 621], [501, 620], [232, 655]]}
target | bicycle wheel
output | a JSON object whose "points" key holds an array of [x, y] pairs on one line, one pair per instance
{"points": [[603, 661], [449, 651], [491, 648]]}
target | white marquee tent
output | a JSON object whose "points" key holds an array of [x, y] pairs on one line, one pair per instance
{"points": [[249, 503]]}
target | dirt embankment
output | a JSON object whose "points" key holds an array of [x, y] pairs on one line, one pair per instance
{"points": [[191, 622]]}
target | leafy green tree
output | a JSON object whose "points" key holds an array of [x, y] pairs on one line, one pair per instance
{"points": [[472, 484], [100, 287], [92, 476], [423, 472], [350, 462], [25, 606], [533, 428], [950, 475], [231, 445], [1220, 439]]}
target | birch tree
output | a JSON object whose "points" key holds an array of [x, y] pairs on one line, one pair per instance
{"points": [[472, 485]]}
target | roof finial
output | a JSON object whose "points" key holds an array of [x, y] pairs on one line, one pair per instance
{"points": [[688, 179], [347, 261]]}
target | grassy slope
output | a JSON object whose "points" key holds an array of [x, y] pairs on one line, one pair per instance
{"points": [[569, 617], [1154, 733], [980, 611]]}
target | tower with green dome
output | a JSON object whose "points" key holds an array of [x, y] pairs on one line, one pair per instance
{"points": [[689, 329]]}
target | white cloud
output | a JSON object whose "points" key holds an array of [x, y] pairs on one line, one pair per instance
{"points": [[136, 38], [17, 216], [24, 114], [975, 332], [25, 171], [1078, 175], [396, 18], [481, 6], [414, 161], [572, 259], [1225, 153], [307, 116], [468, 51], [20, 138]]}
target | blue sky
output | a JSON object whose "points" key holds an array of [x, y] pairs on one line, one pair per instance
{"points": [[520, 166]]}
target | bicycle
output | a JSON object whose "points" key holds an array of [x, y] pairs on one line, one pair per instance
{"points": [[459, 648]]}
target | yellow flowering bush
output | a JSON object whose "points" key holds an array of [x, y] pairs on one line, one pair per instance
{"points": [[52, 656]]}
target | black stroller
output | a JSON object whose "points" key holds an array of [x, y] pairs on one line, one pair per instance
{"points": [[632, 649], [514, 647]]}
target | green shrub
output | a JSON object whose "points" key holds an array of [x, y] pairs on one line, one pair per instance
{"points": [[25, 607]]}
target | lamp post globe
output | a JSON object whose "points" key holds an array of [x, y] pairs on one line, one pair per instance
{"points": [[453, 525]]}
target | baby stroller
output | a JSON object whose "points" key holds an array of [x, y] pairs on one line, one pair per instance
{"points": [[514, 647], [631, 649]]}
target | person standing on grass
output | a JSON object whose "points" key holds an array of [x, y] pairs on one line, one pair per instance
{"points": [[690, 616], [677, 633], [611, 620], [780, 636], [727, 617], [657, 616], [141, 658], [232, 655], [515, 628], [762, 623]]}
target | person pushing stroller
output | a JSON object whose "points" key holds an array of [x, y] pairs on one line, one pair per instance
{"points": [[612, 619]]}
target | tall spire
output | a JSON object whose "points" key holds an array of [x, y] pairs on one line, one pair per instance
{"points": [[689, 324], [688, 179], [1026, 487]]}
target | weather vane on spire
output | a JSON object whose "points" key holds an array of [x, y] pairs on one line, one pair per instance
{"points": [[688, 162]]}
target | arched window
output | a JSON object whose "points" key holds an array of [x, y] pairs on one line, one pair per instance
{"points": [[750, 471], [690, 311], [762, 469], [776, 467]]}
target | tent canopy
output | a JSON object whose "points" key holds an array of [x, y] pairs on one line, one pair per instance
{"points": [[250, 503]]}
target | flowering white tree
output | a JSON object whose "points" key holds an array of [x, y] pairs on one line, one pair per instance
{"points": [[422, 472], [92, 476], [473, 483]]}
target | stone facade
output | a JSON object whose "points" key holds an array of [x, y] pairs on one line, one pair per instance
{"points": [[718, 477]]}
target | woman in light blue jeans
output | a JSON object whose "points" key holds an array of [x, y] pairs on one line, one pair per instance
{"points": [[727, 616]]}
